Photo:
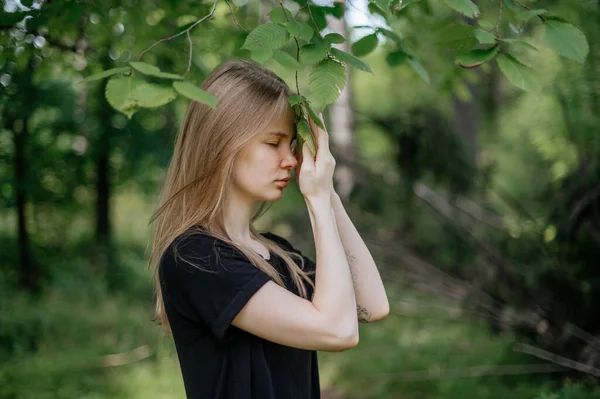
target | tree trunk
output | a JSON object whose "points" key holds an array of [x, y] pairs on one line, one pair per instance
{"points": [[342, 123], [29, 273]]}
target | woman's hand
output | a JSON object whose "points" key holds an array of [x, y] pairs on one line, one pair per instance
{"points": [[315, 174]]}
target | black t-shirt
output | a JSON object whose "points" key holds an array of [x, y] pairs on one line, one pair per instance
{"points": [[217, 359]]}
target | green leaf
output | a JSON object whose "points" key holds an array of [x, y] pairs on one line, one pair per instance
{"points": [[418, 68], [477, 57], [403, 4], [314, 116], [293, 28], [313, 53], [383, 5], [150, 95], [327, 80], [396, 58], [457, 37], [365, 45], [306, 32], [152, 70], [390, 34], [350, 60], [465, 7], [319, 17], [266, 36], [261, 55], [305, 134], [104, 74], [334, 38], [118, 94], [277, 15], [518, 73], [484, 37], [296, 99], [485, 25], [300, 30], [566, 40], [525, 16], [286, 60], [521, 43], [195, 93]]}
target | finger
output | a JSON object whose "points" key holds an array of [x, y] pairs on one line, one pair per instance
{"points": [[308, 159]]}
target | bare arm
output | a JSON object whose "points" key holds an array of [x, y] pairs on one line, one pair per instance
{"points": [[328, 323], [371, 298]]}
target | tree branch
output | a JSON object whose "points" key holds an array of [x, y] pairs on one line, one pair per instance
{"points": [[214, 6]]}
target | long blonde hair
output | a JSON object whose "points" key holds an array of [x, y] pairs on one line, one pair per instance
{"points": [[249, 98]]}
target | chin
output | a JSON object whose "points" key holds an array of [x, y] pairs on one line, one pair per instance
{"points": [[272, 196]]}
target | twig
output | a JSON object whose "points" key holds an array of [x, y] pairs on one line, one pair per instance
{"points": [[528, 9], [313, 20], [553, 357], [180, 33], [297, 44], [189, 67], [233, 15], [499, 18], [300, 9]]}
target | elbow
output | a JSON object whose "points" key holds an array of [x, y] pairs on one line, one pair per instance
{"points": [[346, 340], [381, 313]]}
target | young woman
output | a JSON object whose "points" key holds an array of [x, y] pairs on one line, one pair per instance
{"points": [[248, 311]]}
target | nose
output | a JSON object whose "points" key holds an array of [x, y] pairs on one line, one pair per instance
{"points": [[289, 160]]}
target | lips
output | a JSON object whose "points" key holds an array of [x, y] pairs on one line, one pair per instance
{"points": [[285, 180]]}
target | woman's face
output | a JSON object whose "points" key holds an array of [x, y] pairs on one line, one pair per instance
{"points": [[265, 160]]}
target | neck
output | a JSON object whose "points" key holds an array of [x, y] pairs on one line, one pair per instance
{"points": [[237, 217]]}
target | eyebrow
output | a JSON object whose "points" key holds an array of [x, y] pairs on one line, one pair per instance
{"points": [[282, 134]]}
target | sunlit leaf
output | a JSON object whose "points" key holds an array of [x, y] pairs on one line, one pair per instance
{"points": [[105, 74], [334, 38], [296, 99], [457, 37], [286, 60], [465, 7], [314, 116], [195, 93], [477, 57], [118, 94], [266, 36], [152, 70], [518, 73], [350, 60], [364, 45], [150, 95], [305, 135], [566, 40], [484, 37], [526, 15], [261, 55], [277, 15], [327, 80], [520, 43], [313, 53]]}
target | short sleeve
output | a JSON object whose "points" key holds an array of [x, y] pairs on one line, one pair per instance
{"points": [[216, 279]]}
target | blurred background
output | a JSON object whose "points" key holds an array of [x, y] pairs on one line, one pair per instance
{"points": [[479, 201]]}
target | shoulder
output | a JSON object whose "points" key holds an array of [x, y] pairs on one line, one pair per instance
{"points": [[282, 242], [198, 249]]}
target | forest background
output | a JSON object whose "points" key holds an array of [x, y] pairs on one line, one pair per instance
{"points": [[467, 142]]}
